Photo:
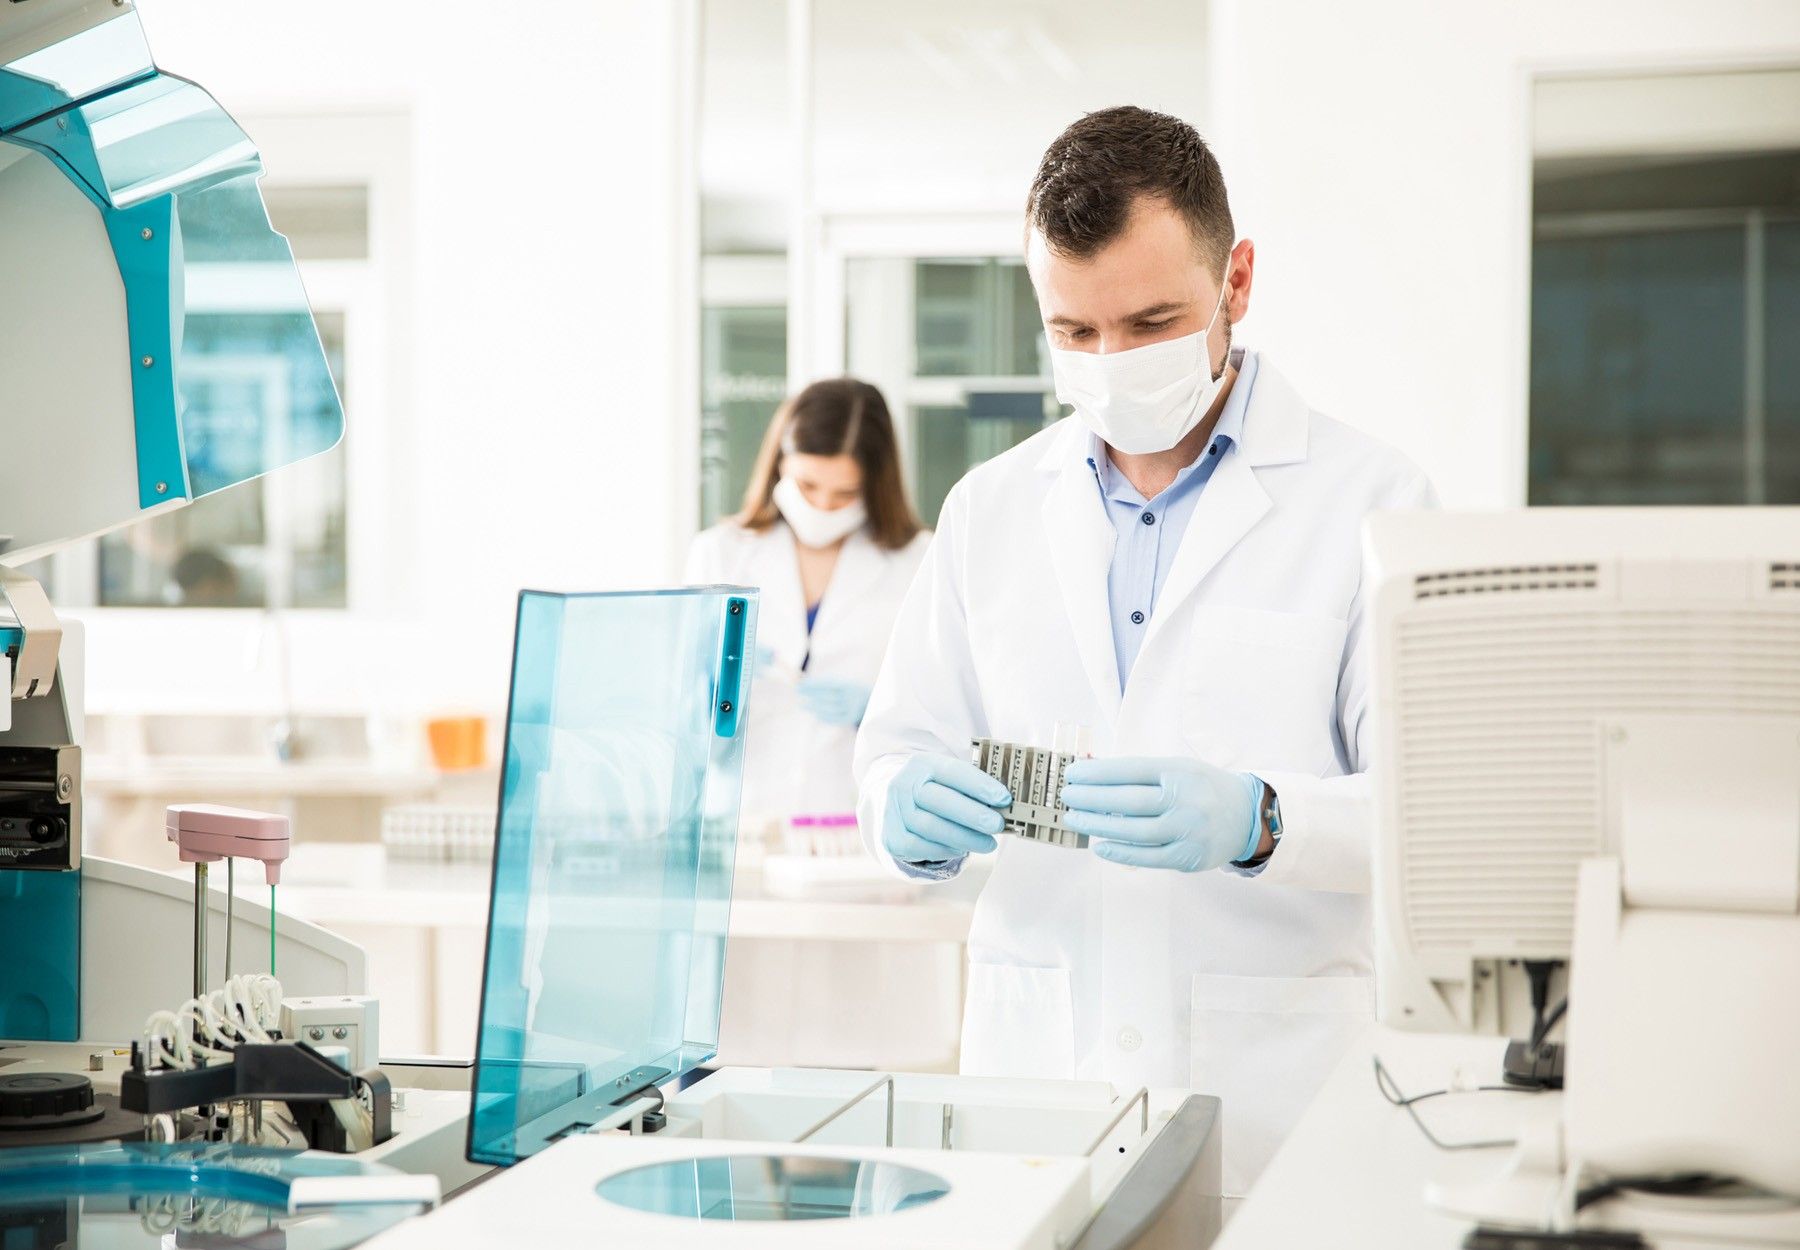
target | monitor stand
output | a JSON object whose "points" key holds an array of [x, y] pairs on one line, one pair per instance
{"points": [[1528, 1069]]}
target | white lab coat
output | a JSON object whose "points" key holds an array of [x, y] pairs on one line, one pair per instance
{"points": [[1254, 659], [793, 762]]}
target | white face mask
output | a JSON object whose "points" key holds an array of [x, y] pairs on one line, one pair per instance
{"points": [[1144, 400], [816, 527]]}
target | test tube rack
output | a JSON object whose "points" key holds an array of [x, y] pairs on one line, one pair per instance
{"points": [[1034, 776]]}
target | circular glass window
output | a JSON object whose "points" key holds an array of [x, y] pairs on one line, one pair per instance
{"points": [[772, 1187]]}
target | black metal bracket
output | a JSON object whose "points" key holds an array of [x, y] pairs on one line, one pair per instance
{"points": [[269, 1072]]}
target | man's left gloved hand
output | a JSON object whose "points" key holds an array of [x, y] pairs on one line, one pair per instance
{"points": [[1167, 813]]}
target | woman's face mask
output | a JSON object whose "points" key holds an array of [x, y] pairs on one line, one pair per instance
{"points": [[1144, 400], [814, 526]]}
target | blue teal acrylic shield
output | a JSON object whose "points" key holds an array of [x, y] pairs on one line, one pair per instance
{"points": [[613, 856]]}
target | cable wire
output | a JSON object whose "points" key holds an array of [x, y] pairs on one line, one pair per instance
{"points": [[1391, 1091]]}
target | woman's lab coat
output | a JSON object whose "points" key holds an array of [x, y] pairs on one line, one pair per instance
{"points": [[793, 763], [785, 1001], [1256, 659]]}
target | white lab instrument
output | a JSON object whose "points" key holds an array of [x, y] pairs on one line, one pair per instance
{"points": [[1591, 726], [797, 1157], [1254, 659]]}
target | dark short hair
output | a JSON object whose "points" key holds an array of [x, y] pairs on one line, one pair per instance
{"points": [[1101, 165], [837, 417]]}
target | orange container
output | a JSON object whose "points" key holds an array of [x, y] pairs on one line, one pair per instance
{"points": [[458, 743]]}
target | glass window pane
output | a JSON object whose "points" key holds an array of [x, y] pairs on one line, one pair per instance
{"points": [[613, 858], [1637, 368], [949, 440], [954, 315], [1781, 349], [276, 541], [743, 378]]}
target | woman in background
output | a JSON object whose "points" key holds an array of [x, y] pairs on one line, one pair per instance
{"points": [[829, 537]]}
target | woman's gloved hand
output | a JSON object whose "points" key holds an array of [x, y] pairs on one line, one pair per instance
{"points": [[835, 702], [1164, 813], [940, 809]]}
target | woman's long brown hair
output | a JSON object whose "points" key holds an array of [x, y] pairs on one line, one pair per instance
{"points": [[836, 417]]}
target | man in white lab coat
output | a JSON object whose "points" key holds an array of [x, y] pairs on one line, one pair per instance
{"points": [[1177, 568]]}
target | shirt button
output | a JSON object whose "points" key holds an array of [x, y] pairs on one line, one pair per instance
{"points": [[1149, 518], [1130, 1039], [1137, 618]]}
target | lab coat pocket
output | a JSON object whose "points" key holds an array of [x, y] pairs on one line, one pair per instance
{"points": [[1265, 1045], [1261, 689], [1018, 1022]]}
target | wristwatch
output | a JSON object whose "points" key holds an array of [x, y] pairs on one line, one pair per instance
{"points": [[1270, 816]]}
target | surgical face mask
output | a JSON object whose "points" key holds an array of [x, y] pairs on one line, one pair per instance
{"points": [[816, 527], [1144, 400]]}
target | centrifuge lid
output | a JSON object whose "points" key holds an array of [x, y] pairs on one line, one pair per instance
{"points": [[613, 856]]}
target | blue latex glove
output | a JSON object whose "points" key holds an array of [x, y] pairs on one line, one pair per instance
{"points": [[941, 809], [835, 702], [1173, 813]]}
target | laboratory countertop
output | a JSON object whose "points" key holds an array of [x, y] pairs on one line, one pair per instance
{"points": [[422, 895], [225, 778], [1355, 1171]]}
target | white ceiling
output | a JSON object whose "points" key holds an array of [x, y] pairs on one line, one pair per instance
{"points": [[924, 106]]}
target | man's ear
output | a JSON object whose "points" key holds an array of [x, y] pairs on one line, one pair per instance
{"points": [[1240, 276]]}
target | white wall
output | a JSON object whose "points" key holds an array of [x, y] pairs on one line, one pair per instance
{"points": [[541, 345], [1379, 154]]}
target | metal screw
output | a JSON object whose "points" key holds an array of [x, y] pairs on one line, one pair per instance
{"points": [[62, 123], [147, 233], [317, 1035], [736, 608], [340, 1032], [65, 786], [147, 361], [725, 705], [162, 488]]}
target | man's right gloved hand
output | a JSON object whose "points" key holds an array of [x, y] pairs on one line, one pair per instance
{"points": [[940, 809]]}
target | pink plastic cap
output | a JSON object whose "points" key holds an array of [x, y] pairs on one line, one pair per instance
{"points": [[204, 834]]}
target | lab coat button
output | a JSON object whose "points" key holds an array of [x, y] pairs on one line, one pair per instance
{"points": [[1130, 1039]]}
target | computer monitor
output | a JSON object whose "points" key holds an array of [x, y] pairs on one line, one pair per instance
{"points": [[1515, 656]]}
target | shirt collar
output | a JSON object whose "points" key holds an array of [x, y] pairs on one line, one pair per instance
{"points": [[1228, 433]]}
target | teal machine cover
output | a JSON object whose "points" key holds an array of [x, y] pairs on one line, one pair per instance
{"points": [[613, 857], [136, 248]]}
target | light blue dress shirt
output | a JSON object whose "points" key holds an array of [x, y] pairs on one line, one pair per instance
{"points": [[1149, 531]]}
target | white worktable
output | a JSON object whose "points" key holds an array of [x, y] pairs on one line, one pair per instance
{"points": [[1355, 1170]]}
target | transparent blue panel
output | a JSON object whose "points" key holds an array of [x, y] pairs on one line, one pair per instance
{"points": [[613, 857], [103, 56], [159, 136], [764, 1188], [176, 180], [191, 1194], [40, 977]]}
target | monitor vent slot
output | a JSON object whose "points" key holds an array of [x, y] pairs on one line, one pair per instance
{"points": [[1498, 769], [1785, 577], [1517, 579]]}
